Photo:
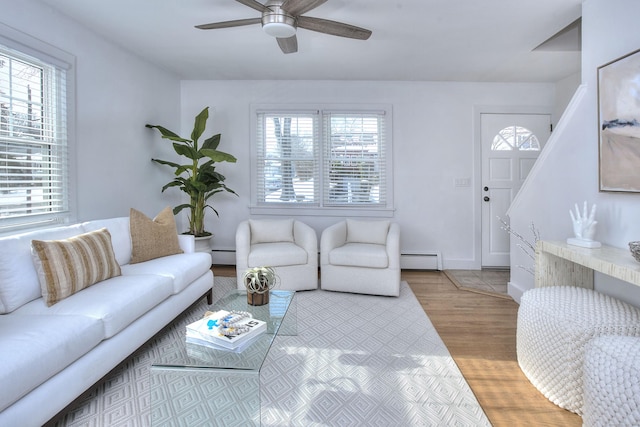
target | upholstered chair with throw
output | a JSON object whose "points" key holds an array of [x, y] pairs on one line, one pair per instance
{"points": [[289, 246], [361, 257]]}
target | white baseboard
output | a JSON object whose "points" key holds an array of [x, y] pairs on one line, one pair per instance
{"points": [[515, 291], [408, 261]]}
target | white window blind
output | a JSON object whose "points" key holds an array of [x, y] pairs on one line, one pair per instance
{"points": [[325, 159], [354, 159], [33, 140], [287, 158]]}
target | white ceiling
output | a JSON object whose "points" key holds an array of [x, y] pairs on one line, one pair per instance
{"points": [[430, 40]]}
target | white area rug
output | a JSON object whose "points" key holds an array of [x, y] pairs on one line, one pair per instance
{"points": [[358, 360]]}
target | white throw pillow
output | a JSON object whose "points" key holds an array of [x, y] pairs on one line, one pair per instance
{"points": [[271, 230], [367, 231], [19, 282], [67, 266]]}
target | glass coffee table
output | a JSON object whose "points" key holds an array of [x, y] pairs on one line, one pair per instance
{"points": [[193, 385]]}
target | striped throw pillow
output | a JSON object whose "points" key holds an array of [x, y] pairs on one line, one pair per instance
{"points": [[67, 266]]}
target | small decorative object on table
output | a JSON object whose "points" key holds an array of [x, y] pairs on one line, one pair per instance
{"points": [[634, 247], [259, 281], [584, 227], [224, 330]]}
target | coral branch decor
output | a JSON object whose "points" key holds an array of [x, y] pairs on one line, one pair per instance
{"points": [[527, 247]]}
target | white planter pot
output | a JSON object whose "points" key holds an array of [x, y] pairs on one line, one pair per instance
{"points": [[203, 244]]}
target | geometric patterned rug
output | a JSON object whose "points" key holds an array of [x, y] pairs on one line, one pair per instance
{"points": [[358, 360]]}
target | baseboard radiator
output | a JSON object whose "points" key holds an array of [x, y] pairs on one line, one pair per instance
{"points": [[223, 256], [421, 261], [408, 261]]}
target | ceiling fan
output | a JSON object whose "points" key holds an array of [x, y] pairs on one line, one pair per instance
{"points": [[281, 19]]}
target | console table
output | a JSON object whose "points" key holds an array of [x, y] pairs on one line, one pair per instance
{"points": [[558, 263]]}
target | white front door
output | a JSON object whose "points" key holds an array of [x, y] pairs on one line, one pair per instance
{"points": [[511, 144]]}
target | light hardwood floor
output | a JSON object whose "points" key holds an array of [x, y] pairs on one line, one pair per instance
{"points": [[480, 333]]}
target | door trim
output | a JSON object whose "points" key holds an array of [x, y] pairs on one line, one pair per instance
{"points": [[478, 110]]}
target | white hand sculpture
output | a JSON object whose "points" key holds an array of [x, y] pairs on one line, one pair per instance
{"points": [[584, 227]]}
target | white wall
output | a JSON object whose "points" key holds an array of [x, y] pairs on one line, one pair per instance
{"points": [[117, 94], [569, 171], [565, 89], [433, 137]]}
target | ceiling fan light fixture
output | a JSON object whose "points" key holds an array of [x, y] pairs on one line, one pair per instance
{"points": [[279, 29], [277, 23]]}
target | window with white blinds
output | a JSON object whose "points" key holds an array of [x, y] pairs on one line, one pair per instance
{"points": [[288, 158], [33, 140], [354, 160], [322, 158]]}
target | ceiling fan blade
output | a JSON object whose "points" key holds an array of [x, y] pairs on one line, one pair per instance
{"points": [[332, 27], [298, 7], [254, 5], [288, 45], [228, 24]]}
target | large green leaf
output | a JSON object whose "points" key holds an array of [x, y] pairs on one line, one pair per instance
{"points": [[165, 162], [172, 184], [182, 169], [206, 166], [185, 150], [212, 142], [199, 186], [211, 207], [210, 175], [200, 124], [179, 169], [166, 133], [178, 208], [218, 156], [217, 188]]}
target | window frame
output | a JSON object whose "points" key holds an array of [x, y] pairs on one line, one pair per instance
{"points": [[319, 208], [28, 46]]}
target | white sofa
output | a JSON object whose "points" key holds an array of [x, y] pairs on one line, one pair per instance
{"points": [[50, 355], [289, 246], [361, 256]]}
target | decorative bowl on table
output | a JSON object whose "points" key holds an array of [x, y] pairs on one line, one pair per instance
{"points": [[634, 247]]}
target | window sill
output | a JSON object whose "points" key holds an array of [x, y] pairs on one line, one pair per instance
{"points": [[328, 211]]}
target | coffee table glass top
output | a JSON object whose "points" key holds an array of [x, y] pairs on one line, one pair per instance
{"points": [[181, 354]]}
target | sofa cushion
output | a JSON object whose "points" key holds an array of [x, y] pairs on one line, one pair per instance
{"points": [[34, 348], [276, 255], [271, 230], [182, 269], [67, 266], [153, 238], [360, 255], [367, 231], [18, 278], [117, 302], [120, 235]]}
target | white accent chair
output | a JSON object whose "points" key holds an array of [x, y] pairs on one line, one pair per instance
{"points": [[290, 247], [361, 256]]}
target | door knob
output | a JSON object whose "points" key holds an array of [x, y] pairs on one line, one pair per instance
{"points": [[486, 198], [486, 188]]}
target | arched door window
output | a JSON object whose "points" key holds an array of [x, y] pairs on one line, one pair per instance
{"points": [[515, 138]]}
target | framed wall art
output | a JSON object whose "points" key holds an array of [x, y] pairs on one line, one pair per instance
{"points": [[619, 124]]}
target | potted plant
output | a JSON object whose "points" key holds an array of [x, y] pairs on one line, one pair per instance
{"points": [[259, 281], [198, 177]]}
